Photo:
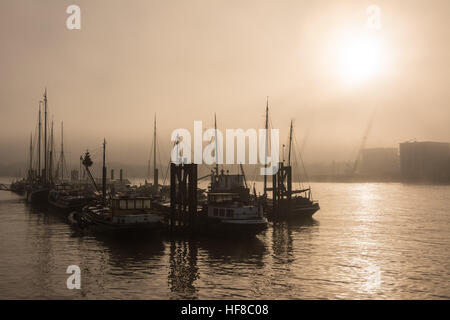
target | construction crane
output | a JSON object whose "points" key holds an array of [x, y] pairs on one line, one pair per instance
{"points": [[363, 142]]}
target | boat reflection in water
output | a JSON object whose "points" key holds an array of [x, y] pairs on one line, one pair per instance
{"points": [[191, 261]]}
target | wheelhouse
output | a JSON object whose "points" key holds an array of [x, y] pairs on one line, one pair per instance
{"points": [[131, 204]]}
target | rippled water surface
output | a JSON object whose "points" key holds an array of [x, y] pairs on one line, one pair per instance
{"points": [[367, 241]]}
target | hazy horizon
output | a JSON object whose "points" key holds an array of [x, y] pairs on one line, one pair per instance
{"points": [[186, 62]]}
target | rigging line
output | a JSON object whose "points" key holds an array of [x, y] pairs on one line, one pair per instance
{"points": [[159, 157], [254, 175], [169, 162], [303, 164], [158, 148], [294, 153], [299, 179], [34, 147], [167, 173], [94, 151]]}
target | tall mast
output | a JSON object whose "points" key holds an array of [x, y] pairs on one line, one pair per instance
{"points": [[45, 136], [39, 141], [51, 155], [267, 143], [61, 160], [217, 156], [290, 145], [155, 169], [30, 170], [104, 171]]}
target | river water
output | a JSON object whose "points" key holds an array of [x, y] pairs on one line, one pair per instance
{"points": [[368, 241]]}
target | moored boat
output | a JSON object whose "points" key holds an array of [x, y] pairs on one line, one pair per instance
{"points": [[38, 194], [66, 199], [127, 213], [19, 186], [130, 214], [230, 209], [287, 202]]}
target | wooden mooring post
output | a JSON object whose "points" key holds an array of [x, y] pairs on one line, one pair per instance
{"points": [[281, 187], [183, 195]]}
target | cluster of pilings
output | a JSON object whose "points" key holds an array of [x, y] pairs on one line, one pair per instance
{"points": [[183, 195], [282, 185]]}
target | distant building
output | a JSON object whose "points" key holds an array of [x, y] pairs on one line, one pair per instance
{"points": [[425, 161], [380, 162]]}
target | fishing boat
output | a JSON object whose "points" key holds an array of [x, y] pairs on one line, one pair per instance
{"points": [[287, 202], [37, 194], [291, 203], [230, 208], [117, 213], [132, 214], [66, 198]]}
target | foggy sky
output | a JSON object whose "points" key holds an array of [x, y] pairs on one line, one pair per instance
{"points": [[185, 60]]}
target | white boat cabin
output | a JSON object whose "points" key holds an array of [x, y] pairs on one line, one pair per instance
{"points": [[234, 212], [228, 198], [133, 211]]}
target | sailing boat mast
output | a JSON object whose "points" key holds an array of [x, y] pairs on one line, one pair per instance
{"points": [[45, 136], [51, 154], [62, 151], [30, 170], [217, 156], [290, 145], [267, 144], [104, 172], [155, 169], [39, 141]]}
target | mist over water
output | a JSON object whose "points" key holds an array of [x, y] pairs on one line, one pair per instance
{"points": [[367, 241]]}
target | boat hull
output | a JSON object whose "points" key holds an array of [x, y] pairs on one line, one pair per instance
{"points": [[39, 196], [67, 206], [231, 227], [96, 223], [293, 210], [18, 188]]}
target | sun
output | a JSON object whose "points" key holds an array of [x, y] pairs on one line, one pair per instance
{"points": [[360, 57]]}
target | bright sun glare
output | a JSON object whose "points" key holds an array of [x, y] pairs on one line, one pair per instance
{"points": [[360, 58]]}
